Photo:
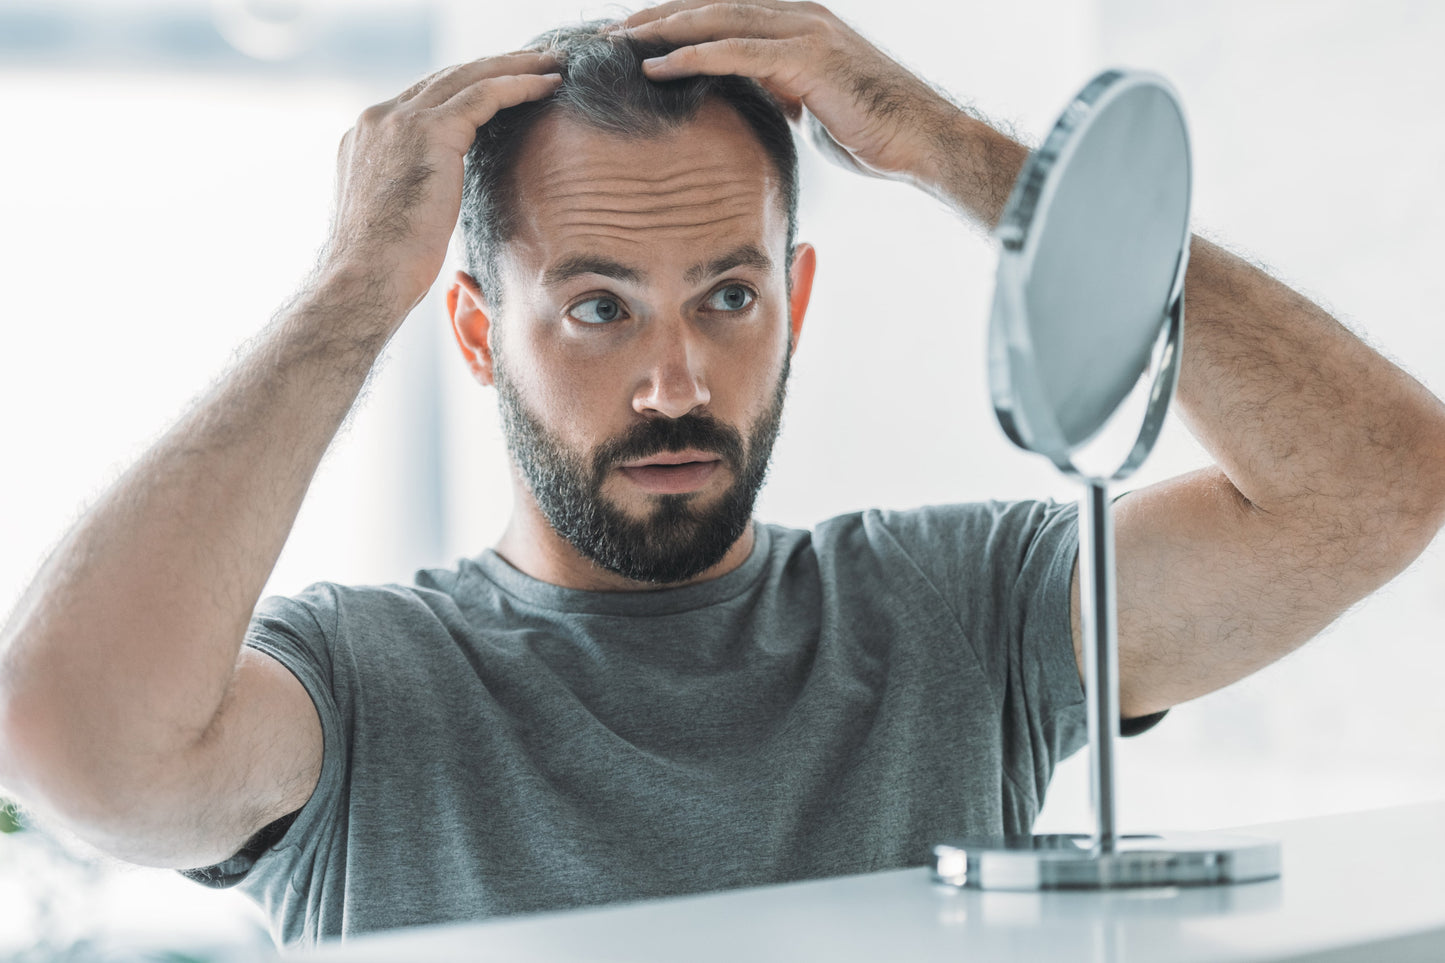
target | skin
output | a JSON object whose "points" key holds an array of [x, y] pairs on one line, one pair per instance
{"points": [[166, 742], [660, 208]]}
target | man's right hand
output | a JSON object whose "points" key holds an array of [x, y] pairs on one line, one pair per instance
{"points": [[399, 170]]}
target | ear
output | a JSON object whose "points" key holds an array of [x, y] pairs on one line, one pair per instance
{"points": [[472, 324], [805, 262]]}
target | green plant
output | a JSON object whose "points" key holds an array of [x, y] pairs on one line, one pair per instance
{"points": [[10, 821]]}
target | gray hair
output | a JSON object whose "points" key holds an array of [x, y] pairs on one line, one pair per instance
{"points": [[603, 87]]}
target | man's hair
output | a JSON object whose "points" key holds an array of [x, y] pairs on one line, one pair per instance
{"points": [[603, 87]]}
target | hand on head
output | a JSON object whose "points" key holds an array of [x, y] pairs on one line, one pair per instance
{"points": [[399, 170], [862, 109]]}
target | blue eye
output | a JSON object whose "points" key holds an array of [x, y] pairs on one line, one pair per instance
{"points": [[597, 310], [731, 297]]}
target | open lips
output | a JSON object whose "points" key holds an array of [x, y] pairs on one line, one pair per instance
{"points": [[672, 472]]}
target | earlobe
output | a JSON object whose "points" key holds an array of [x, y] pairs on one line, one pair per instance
{"points": [[805, 262], [472, 325]]}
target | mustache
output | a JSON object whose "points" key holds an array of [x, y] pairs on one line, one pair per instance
{"points": [[659, 435]]}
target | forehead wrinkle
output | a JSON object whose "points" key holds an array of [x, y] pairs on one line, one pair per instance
{"points": [[586, 201], [698, 214], [606, 227], [709, 194], [661, 211], [616, 204], [696, 171], [730, 186]]}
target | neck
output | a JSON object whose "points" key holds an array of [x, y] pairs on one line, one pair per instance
{"points": [[530, 545]]}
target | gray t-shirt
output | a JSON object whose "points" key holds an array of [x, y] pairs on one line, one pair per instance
{"points": [[840, 702]]}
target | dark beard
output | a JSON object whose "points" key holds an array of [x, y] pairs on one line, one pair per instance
{"points": [[678, 540]]}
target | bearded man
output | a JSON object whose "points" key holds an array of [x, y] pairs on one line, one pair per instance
{"points": [[640, 691]]}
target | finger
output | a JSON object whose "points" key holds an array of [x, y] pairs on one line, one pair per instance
{"points": [[479, 103], [414, 89], [657, 13], [445, 84], [764, 60], [718, 21]]}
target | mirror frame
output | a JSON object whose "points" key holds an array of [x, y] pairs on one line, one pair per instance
{"points": [[1019, 399]]}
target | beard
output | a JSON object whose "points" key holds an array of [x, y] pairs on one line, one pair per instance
{"points": [[678, 539]]}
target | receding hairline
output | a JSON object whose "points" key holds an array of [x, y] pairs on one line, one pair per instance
{"points": [[553, 112], [584, 260], [605, 89]]}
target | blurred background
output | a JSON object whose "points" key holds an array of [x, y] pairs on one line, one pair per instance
{"points": [[166, 171]]}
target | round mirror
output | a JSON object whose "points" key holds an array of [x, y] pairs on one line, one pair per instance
{"points": [[1088, 304]]}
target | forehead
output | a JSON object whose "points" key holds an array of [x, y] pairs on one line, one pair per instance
{"points": [[686, 194]]}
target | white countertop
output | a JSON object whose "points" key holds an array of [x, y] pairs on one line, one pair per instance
{"points": [[1364, 886]]}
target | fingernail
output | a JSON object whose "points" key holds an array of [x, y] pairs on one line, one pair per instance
{"points": [[654, 61]]}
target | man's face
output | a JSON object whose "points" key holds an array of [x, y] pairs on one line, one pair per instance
{"points": [[641, 355]]}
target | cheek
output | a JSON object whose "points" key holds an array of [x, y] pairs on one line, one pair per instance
{"points": [[755, 365], [754, 381], [580, 391]]}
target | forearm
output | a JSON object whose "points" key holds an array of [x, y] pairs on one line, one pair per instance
{"points": [[119, 654], [971, 167]]}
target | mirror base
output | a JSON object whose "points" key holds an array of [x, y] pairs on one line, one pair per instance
{"points": [[1067, 861]]}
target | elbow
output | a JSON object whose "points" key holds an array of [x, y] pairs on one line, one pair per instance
{"points": [[1427, 511], [50, 765], [10, 781], [18, 734], [1407, 530], [1395, 546], [33, 762], [105, 803], [1436, 454], [1396, 518], [33, 770]]}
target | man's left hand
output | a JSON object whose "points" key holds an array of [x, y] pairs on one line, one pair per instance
{"points": [[878, 118]]}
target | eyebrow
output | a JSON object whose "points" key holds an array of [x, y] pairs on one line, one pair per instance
{"points": [[748, 255], [575, 265], [578, 264]]}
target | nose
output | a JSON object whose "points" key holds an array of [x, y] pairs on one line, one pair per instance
{"points": [[672, 383]]}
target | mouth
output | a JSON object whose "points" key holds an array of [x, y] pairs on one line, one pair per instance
{"points": [[672, 472]]}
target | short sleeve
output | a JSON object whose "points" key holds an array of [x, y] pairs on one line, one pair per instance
{"points": [[1041, 605], [1006, 569], [1047, 582], [296, 633]]}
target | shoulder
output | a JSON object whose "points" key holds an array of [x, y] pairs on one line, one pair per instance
{"points": [[983, 558], [322, 605], [327, 618], [981, 529]]}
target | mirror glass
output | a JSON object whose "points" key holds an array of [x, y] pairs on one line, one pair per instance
{"points": [[1094, 241]]}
